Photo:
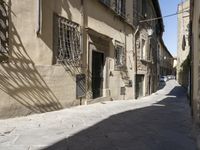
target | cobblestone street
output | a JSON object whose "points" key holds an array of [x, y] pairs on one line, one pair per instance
{"points": [[161, 121]]}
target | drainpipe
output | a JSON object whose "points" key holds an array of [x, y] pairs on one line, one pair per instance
{"points": [[135, 62], [84, 47], [39, 17]]}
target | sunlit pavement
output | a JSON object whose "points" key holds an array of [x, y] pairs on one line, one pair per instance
{"points": [[158, 122]]}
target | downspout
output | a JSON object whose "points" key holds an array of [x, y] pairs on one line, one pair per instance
{"points": [[84, 47], [39, 17], [135, 62]]}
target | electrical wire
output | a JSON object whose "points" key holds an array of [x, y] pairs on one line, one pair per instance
{"points": [[158, 18]]}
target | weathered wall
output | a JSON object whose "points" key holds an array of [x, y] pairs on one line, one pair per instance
{"points": [[196, 62], [106, 22], [31, 81], [183, 51]]}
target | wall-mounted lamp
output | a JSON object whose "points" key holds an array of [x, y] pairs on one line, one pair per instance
{"points": [[150, 32]]}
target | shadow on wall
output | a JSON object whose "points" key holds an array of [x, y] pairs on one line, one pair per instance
{"points": [[161, 85], [21, 80], [58, 7], [164, 125]]}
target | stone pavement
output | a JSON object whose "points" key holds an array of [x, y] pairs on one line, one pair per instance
{"points": [[158, 122]]}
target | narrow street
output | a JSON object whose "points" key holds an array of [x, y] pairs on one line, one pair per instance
{"points": [[161, 121]]}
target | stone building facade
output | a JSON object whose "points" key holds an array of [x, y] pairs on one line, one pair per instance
{"points": [[183, 43], [147, 41], [166, 60], [61, 53]]}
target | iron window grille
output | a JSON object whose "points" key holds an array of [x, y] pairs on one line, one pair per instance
{"points": [[68, 41], [119, 56], [3, 29]]}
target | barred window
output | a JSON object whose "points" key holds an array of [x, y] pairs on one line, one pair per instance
{"points": [[3, 29], [119, 56], [68, 40]]}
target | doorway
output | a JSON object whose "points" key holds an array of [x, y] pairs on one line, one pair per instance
{"points": [[97, 74], [139, 86]]}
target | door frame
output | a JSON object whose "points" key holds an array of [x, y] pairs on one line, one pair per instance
{"points": [[91, 49], [143, 86]]}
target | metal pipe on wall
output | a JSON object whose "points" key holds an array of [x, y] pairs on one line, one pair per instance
{"points": [[135, 62]]}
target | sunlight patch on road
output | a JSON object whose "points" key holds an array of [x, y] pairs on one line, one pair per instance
{"points": [[158, 105], [170, 96]]}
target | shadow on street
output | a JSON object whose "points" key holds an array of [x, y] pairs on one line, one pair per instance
{"points": [[163, 126], [161, 85]]}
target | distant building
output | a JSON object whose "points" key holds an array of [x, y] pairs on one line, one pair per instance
{"points": [[166, 60]]}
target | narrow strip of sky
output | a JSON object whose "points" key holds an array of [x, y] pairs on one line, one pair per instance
{"points": [[170, 23]]}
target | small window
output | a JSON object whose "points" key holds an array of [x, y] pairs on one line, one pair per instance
{"points": [[68, 41], [120, 7], [149, 53], [119, 56], [199, 27], [143, 49]]}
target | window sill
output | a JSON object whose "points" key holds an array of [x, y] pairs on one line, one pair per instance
{"points": [[146, 61]]}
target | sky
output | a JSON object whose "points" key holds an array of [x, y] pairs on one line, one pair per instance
{"points": [[170, 34]]}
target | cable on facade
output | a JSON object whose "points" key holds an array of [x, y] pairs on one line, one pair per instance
{"points": [[153, 19]]}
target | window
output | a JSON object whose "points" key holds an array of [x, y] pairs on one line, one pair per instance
{"points": [[68, 40], [119, 55], [149, 52], [198, 34], [3, 29], [106, 2], [143, 49], [144, 8], [120, 7], [158, 53]]}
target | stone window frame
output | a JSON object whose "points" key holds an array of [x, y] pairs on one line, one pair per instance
{"points": [[120, 58], [68, 40]]}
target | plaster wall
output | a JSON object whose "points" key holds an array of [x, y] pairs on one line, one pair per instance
{"points": [[31, 80], [196, 61]]}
